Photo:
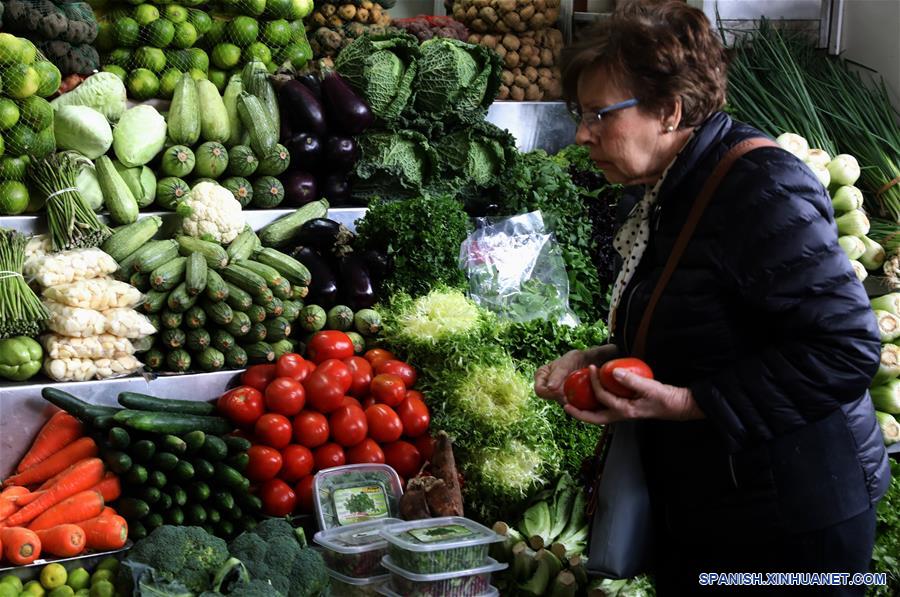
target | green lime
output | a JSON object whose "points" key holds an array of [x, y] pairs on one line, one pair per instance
{"points": [[257, 51], [216, 32], [13, 201], [271, 67], [179, 59], [13, 167], [2, 146], [199, 59], [53, 575], [219, 78], [9, 48], [36, 112], [108, 563], [21, 81], [298, 30], [160, 33], [185, 35], [33, 588], [63, 591], [253, 7], [8, 590], [127, 32], [197, 74], [277, 33], [116, 70], [145, 14], [50, 78], [142, 84], [153, 59], [101, 575], [300, 9], [20, 139], [13, 580], [176, 14], [226, 56], [242, 31], [168, 81], [27, 52], [85, 592], [44, 143], [200, 20], [106, 38], [9, 114], [294, 54], [121, 57], [278, 9], [104, 588], [79, 578]]}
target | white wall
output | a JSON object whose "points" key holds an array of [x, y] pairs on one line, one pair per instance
{"points": [[871, 36]]}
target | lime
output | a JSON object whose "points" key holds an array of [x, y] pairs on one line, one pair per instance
{"points": [[145, 14], [160, 33], [271, 67], [9, 48], [63, 591], [219, 78], [200, 20], [13, 200], [44, 143], [253, 7], [121, 57], [199, 59], [185, 35], [179, 59], [197, 74], [50, 78], [168, 81], [116, 70], [20, 139], [36, 112], [153, 59], [13, 580], [21, 81], [104, 588], [298, 30], [13, 168], [108, 563], [8, 590], [277, 33], [216, 32], [242, 31], [9, 114], [176, 14], [142, 84], [79, 578], [295, 54], [127, 32], [300, 9], [33, 587], [85, 592], [27, 52], [226, 56], [106, 38], [53, 575], [101, 575], [2, 146], [257, 51], [278, 9]]}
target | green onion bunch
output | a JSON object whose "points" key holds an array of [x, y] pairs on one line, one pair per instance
{"points": [[73, 225], [21, 312]]}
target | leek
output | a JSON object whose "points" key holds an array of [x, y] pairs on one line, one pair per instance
{"points": [[890, 428], [888, 302], [852, 246], [888, 366], [854, 223], [888, 325], [860, 270], [874, 256], [818, 157], [795, 144], [886, 397], [847, 198], [844, 169]]}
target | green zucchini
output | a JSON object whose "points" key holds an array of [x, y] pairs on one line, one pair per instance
{"points": [[118, 438], [132, 508], [172, 339], [165, 422], [274, 308], [215, 255], [183, 118], [277, 329], [282, 231], [235, 357], [243, 246], [222, 340], [214, 449], [284, 290], [137, 476], [237, 445], [141, 281], [290, 310], [197, 340], [136, 401], [117, 197], [154, 301], [216, 290], [170, 319], [143, 450], [195, 274], [195, 318], [194, 440], [281, 347], [238, 298], [168, 275], [117, 461], [261, 129], [178, 361], [268, 273], [220, 313], [211, 359], [164, 461], [179, 300], [146, 252], [259, 352], [239, 325], [299, 292], [161, 254], [249, 281], [257, 333], [256, 313], [125, 240]]}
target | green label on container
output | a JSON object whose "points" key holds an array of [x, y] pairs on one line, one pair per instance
{"points": [[359, 504], [435, 534]]}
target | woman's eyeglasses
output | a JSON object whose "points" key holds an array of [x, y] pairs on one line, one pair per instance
{"points": [[592, 118]]}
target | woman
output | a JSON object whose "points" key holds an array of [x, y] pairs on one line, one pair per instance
{"points": [[758, 438]]}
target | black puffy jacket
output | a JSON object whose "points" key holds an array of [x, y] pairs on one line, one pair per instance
{"points": [[765, 321]]}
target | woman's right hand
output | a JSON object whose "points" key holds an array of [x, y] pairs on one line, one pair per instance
{"points": [[549, 379]]}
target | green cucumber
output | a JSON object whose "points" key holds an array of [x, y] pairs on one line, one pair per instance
{"points": [[214, 449], [150, 495], [137, 401], [203, 468], [184, 471], [174, 516], [200, 491], [165, 461], [118, 438], [179, 496], [195, 514], [224, 501], [143, 450], [118, 462], [136, 530], [137, 476], [157, 479], [239, 462], [239, 325], [176, 423], [154, 520], [132, 508], [237, 445], [174, 444], [76, 407], [194, 440]]}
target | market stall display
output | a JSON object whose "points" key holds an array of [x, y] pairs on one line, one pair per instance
{"points": [[425, 27], [334, 25]]}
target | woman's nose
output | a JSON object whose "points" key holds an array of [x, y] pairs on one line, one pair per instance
{"points": [[582, 134]]}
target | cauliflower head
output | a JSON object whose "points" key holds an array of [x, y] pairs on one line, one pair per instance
{"points": [[211, 212]]}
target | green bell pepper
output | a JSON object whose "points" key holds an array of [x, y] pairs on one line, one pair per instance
{"points": [[20, 358]]}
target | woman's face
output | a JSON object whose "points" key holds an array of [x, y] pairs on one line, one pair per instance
{"points": [[630, 144]]}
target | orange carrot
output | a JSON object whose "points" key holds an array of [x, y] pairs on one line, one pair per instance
{"points": [[78, 450], [79, 477], [109, 487], [58, 432], [64, 540], [24, 500], [7, 507], [81, 506], [20, 546], [14, 491], [105, 532]]}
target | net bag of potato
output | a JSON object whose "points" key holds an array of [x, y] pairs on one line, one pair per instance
{"points": [[505, 16], [529, 63]]}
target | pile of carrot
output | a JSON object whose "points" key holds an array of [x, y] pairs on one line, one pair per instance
{"points": [[56, 502]]}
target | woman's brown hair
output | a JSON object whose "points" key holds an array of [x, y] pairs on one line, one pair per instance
{"points": [[659, 49]]}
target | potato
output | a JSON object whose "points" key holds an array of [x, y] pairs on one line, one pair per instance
{"points": [[511, 59], [329, 10], [335, 22], [530, 73], [538, 21], [489, 40], [521, 81], [503, 92], [319, 19], [472, 13], [501, 52], [511, 42], [533, 93], [367, 4], [476, 38], [517, 93], [482, 3], [507, 78], [545, 83], [545, 73], [460, 13], [502, 27], [479, 25], [347, 12], [488, 14], [527, 13], [547, 58], [506, 5], [540, 5]]}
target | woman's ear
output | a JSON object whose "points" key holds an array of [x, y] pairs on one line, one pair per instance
{"points": [[671, 115]]}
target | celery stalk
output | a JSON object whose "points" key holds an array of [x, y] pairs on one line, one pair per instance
{"points": [[889, 364], [886, 397], [890, 428]]}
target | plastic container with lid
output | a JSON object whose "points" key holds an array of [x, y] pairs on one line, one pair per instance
{"points": [[460, 583], [355, 550], [355, 493], [388, 590], [344, 586], [437, 545]]}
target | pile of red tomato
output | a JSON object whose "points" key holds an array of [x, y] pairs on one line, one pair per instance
{"points": [[304, 416]]}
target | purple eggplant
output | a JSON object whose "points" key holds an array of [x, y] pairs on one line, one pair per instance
{"points": [[299, 188], [313, 83], [323, 289], [336, 188], [346, 110], [356, 284], [377, 263], [306, 151], [286, 123], [325, 235], [305, 110], [341, 154]]}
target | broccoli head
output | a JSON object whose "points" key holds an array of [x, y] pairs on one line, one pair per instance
{"points": [[256, 588], [187, 555]]}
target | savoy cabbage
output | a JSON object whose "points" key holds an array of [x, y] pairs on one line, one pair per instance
{"points": [[394, 165]]}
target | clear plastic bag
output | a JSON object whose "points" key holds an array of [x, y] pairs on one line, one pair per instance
{"points": [[516, 269], [85, 369], [69, 266], [38, 246], [105, 346], [74, 322], [128, 323], [100, 294]]}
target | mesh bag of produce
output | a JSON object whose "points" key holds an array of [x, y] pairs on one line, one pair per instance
{"points": [[63, 33], [69, 266], [99, 294], [104, 346], [26, 118], [327, 42], [529, 63], [426, 26], [75, 369], [505, 16], [127, 323], [74, 322], [79, 59]]}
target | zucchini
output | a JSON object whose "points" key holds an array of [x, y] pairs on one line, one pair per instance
{"points": [[282, 231], [117, 197], [157, 479], [214, 125], [150, 495], [165, 422], [184, 471], [215, 255], [222, 340], [194, 440], [282, 347], [214, 449], [178, 361], [257, 333], [174, 444], [126, 266], [197, 340], [243, 245], [237, 445], [141, 281], [211, 359], [299, 292], [172, 339], [290, 310], [154, 301], [179, 300], [137, 476], [265, 299], [195, 318], [183, 119], [168, 275], [200, 491], [159, 255], [216, 290], [274, 308], [154, 320], [249, 281], [118, 438], [117, 461], [164, 461], [170, 320], [132, 508], [203, 469], [269, 274], [224, 501], [143, 450], [228, 476], [237, 298], [195, 274], [284, 290], [256, 313], [229, 98], [259, 352], [174, 516], [136, 401], [261, 129], [235, 357], [220, 313], [128, 239], [277, 329], [239, 325]]}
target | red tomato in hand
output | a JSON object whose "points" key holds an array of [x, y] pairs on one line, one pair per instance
{"points": [[285, 396], [403, 457], [292, 365], [242, 406], [414, 415], [273, 430], [579, 392], [264, 464], [384, 424], [258, 376], [378, 354], [277, 497], [328, 456], [304, 491], [632, 365], [311, 429], [323, 393], [329, 344], [398, 368], [348, 425], [361, 370], [388, 389], [425, 445], [298, 463], [367, 451], [338, 371]]}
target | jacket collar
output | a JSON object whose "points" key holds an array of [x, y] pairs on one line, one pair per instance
{"points": [[706, 142]]}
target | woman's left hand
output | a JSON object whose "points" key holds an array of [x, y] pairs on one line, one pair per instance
{"points": [[652, 400]]}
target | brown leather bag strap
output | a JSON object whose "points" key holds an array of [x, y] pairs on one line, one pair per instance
{"points": [[687, 231]]}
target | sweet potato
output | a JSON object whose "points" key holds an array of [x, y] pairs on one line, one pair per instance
{"points": [[413, 505], [443, 465]]}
